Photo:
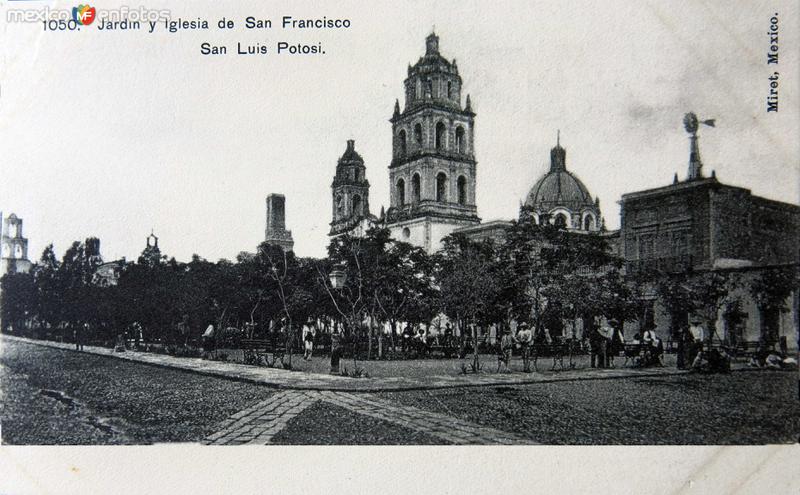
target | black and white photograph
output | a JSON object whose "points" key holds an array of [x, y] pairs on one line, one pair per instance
{"points": [[232, 225]]}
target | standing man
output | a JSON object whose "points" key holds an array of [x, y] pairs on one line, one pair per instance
{"points": [[682, 344], [524, 338], [698, 336], [597, 348], [447, 344], [607, 353], [308, 340], [506, 346], [78, 335], [408, 335]]}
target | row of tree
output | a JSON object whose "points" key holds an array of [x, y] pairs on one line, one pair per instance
{"points": [[541, 274]]}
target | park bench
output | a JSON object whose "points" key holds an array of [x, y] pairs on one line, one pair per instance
{"points": [[257, 351], [446, 351], [641, 355], [632, 354], [444, 347], [556, 349], [746, 348]]}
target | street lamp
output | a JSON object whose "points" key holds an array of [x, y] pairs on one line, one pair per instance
{"points": [[338, 276]]}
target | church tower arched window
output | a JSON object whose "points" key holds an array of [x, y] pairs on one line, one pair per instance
{"points": [[441, 187], [449, 90], [460, 140], [440, 130], [401, 192], [418, 134], [588, 223], [462, 190], [401, 141], [356, 205], [415, 188]]}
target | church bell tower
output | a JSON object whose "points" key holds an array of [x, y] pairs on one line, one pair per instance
{"points": [[432, 173], [350, 191]]}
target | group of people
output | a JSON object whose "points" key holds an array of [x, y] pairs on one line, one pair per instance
{"points": [[605, 343], [523, 340], [416, 340]]}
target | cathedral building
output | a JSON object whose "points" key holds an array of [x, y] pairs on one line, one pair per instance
{"points": [[432, 174]]}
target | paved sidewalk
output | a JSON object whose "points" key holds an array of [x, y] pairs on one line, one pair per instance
{"points": [[258, 424], [296, 380]]}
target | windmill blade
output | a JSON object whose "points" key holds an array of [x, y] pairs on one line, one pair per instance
{"points": [[709, 122]]}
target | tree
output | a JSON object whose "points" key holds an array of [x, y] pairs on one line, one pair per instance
{"points": [[623, 299], [48, 297], [550, 274], [17, 301], [770, 290], [400, 284], [150, 288], [702, 293], [351, 302], [291, 282], [467, 278]]}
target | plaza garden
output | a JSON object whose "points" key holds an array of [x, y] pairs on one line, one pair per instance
{"points": [[374, 300]]}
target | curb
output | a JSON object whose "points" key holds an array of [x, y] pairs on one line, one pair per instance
{"points": [[368, 386]]}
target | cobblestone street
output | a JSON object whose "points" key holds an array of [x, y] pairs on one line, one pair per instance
{"points": [[52, 395]]}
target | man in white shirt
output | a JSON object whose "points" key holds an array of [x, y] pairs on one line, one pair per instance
{"points": [[698, 334], [697, 331]]}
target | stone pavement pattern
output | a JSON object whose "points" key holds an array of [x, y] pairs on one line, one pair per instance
{"points": [[258, 424]]}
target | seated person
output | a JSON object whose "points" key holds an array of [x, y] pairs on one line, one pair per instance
{"points": [[774, 360], [712, 361], [657, 352], [649, 336]]}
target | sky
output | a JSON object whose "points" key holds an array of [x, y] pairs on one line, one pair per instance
{"points": [[112, 134]]}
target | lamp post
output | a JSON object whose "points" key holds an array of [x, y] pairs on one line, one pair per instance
{"points": [[337, 277]]}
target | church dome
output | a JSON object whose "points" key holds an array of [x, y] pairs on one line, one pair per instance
{"points": [[559, 189]]}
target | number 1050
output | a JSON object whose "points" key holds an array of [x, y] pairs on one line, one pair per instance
{"points": [[60, 25]]}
